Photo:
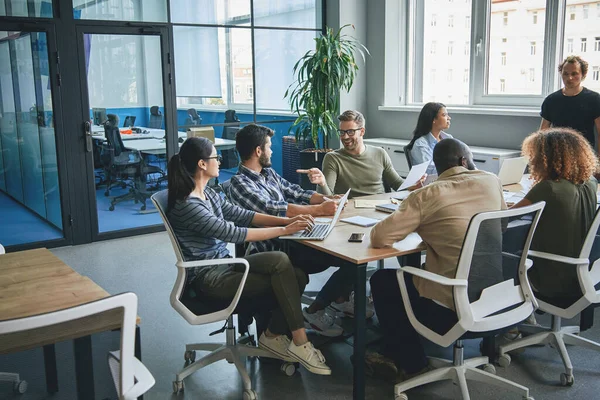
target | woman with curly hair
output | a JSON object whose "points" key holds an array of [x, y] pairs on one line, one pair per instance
{"points": [[562, 165]]}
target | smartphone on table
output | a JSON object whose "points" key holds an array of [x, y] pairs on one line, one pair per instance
{"points": [[356, 237]]}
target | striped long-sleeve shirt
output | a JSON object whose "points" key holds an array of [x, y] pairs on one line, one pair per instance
{"points": [[265, 192], [204, 227]]}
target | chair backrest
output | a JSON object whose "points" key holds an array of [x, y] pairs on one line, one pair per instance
{"points": [[497, 295], [407, 150], [193, 117], [2, 251], [230, 116], [129, 121], [113, 135], [127, 302], [155, 118], [161, 201]]}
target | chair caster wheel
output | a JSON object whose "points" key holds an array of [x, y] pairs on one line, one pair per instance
{"points": [[190, 355], [490, 369], [20, 387], [250, 394], [106, 194], [177, 386], [504, 360], [143, 207], [401, 396], [566, 380], [288, 368], [111, 208]]}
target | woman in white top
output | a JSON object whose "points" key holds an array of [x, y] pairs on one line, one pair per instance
{"points": [[428, 132]]}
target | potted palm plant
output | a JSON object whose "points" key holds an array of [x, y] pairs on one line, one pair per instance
{"points": [[319, 78]]}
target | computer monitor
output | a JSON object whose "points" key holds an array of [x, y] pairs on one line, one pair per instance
{"points": [[99, 115]]}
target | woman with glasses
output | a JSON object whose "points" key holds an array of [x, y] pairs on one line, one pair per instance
{"points": [[433, 119], [204, 222]]}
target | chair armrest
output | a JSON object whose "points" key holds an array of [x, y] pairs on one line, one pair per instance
{"points": [[200, 263], [430, 276], [556, 257], [144, 379]]}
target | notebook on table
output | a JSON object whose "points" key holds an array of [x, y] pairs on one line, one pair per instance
{"points": [[320, 231], [388, 208]]}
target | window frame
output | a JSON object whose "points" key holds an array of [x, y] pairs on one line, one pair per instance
{"points": [[405, 72]]}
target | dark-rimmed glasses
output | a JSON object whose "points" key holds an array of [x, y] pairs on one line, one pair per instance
{"points": [[349, 132], [218, 157]]}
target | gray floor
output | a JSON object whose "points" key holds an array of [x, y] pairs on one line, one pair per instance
{"points": [[145, 265]]}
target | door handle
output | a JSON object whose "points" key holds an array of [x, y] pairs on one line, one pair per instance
{"points": [[399, 151], [479, 161], [88, 137]]}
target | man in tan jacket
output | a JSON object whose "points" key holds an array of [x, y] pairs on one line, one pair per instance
{"points": [[440, 213]]}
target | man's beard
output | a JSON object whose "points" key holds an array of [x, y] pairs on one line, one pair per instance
{"points": [[264, 161]]}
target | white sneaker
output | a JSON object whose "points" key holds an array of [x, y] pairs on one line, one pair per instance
{"points": [[346, 309], [322, 323], [277, 345], [311, 358]]}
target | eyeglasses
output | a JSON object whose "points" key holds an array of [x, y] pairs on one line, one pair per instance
{"points": [[218, 157], [349, 132]]}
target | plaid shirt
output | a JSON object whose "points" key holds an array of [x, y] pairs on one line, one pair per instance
{"points": [[265, 192]]}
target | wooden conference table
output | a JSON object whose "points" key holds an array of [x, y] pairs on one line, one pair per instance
{"points": [[35, 282], [357, 255]]}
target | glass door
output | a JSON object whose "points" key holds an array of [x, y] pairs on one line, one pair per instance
{"points": [[125, 128], [31, 209]]}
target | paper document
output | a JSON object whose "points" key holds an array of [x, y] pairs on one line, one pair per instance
{"points": [[360, 221], [366, 203], [415, 173], [401, 195]]}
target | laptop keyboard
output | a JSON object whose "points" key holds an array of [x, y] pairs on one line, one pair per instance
{"points": [[317, 231]]}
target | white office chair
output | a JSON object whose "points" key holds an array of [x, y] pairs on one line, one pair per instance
{"points": [[486, 299], [130, 376], [232, 350], [557, 335], [19, 386]]}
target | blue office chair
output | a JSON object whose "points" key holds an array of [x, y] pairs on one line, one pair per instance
{"points": [[230, 156]]}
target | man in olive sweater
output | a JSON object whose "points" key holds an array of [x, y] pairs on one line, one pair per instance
{"points": [[365, 169]]}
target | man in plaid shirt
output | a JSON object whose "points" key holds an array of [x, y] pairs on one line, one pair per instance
{"points": [[258, 187]]}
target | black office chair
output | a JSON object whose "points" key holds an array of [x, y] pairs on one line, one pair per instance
{"points": [[230, 156], [407, 150], [193, 117], [124, 165], [156, 118], [129, 121]]}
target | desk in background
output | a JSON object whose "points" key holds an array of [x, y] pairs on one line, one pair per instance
{"points": [[35, 282], [158, 146]]}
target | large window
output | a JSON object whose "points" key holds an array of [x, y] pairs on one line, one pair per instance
{"points": [[232, 57], [514, 48]]}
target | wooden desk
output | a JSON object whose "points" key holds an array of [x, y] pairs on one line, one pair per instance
{"points": [[357, 255], [35, 282]]}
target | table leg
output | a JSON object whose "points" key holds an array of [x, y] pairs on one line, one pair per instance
{"points": [[360, 293], [50, 368], [84, 367]]}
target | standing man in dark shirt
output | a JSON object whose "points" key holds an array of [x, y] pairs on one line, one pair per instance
{"points": [[573, 106]]}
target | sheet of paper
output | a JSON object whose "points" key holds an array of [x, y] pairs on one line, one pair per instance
{"points": [[360, 221], [415, 173], [401, 195], [365, 203]]}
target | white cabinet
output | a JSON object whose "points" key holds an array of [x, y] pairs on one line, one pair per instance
{"points": [[486, 158], [395, 149]]}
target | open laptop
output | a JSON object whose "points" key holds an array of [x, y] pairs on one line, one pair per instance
{"points": [[512, 170], [320, 231]]}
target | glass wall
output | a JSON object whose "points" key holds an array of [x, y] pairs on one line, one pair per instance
{"points": [[29, 185], [124, 79], [236, 67], [29, 8], [119, 10]]}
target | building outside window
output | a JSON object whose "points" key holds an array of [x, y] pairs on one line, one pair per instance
{"points": [[503, 58], [532, 48], [535, 17], [569, 46], [583, 45]]}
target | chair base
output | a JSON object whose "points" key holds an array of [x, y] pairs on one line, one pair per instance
{"points": [[558, 337], [459, 371], [19, 386], [232, 351]]}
